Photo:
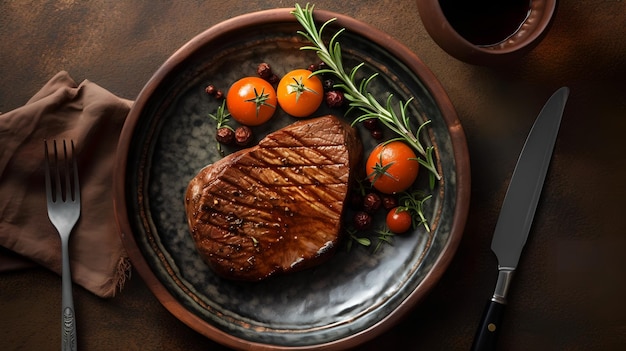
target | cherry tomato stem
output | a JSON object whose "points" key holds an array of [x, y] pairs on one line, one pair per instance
{"points": [[392, 167], [299, 93], [251, 101]]}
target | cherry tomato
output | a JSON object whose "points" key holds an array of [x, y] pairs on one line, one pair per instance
{"points": [[299, 93], [399, 221], [392, 167], [251, 101]]}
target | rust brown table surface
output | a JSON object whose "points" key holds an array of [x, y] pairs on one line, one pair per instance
{"points": [[570, 289]]}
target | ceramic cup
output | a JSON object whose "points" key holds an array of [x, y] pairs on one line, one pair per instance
{"points": [[486, 32]]}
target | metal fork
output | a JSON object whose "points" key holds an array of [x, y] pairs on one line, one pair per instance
{"points": [[63, 211]]}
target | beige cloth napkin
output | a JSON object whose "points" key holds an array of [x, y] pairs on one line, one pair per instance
{"points": [[93, 118]]}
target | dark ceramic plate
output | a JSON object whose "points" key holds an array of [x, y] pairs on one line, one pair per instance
{"points": [[168, 138]]}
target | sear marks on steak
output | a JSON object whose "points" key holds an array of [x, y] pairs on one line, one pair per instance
{"points": [[276, 207]]}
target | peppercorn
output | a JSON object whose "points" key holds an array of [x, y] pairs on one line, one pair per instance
{"points": [[389, 202], [312, 68], [377, 134], [322, 65], [328, 84], [225, 135], [210, 89], [371, 202], [371, 123], [362, 220], [334, 98], [264, 70], [219, 94], [243, 135]]}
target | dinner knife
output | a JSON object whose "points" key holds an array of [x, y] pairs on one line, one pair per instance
{"points": [[518, 210]]}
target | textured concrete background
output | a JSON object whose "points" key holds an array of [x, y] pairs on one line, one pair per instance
{"points": [[568, 294]]}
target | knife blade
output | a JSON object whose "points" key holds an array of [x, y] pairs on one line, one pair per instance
{"points": [[518, 210]]}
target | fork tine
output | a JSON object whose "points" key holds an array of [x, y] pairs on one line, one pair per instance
{"points": [[75, 172], [57, 174], [47, 171], [61, 168], [66, 174]]}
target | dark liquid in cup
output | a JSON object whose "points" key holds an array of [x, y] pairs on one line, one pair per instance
{"points": [[485, 22]]}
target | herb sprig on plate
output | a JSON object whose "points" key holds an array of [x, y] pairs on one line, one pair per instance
{"points": [[224, 132], [357, 93]]}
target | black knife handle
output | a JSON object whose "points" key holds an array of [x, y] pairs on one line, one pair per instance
{"points": [[487, 333]]}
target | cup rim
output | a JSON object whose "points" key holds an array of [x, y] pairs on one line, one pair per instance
{"points": [[517, 44]]}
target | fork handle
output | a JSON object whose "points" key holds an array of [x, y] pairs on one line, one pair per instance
{"points": [[68, 321]]}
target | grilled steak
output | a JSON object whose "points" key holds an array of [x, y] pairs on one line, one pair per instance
{"points": [[275, 207]]}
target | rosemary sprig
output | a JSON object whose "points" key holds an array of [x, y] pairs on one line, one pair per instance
{"points": [[363, 241], [414, 203], [221, 121], [221, 117], [385, 236], [357, 94]]}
